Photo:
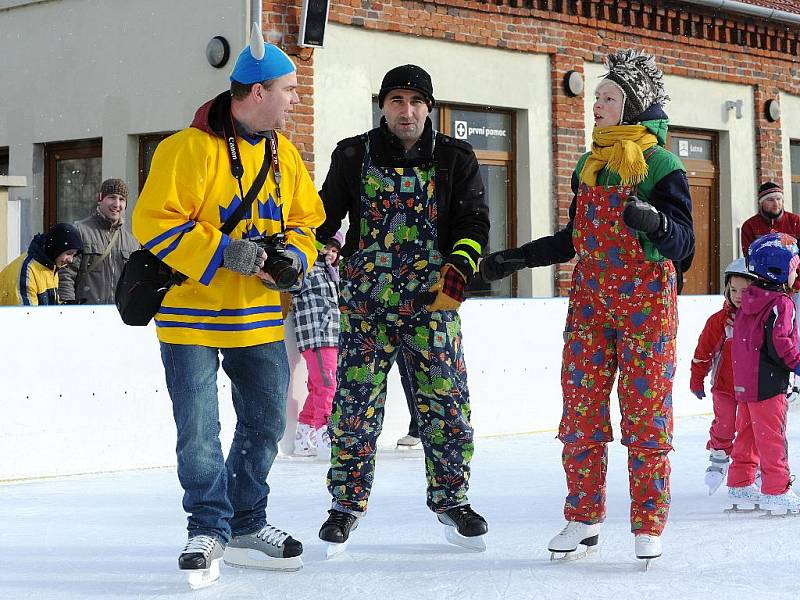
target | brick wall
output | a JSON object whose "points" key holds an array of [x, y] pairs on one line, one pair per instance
{"points": [[689, 41]]}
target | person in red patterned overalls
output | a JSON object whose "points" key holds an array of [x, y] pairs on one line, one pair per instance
{"points": [[630, 218]]}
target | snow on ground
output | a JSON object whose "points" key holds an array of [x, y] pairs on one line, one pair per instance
{"points": [[118, 535]]}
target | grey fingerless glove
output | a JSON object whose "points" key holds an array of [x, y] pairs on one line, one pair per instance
{"points": [[242, 256]]}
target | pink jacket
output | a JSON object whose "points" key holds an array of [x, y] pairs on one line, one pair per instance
{"points": [[765, 344]]}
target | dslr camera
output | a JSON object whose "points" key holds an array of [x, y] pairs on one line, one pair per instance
{"points": [[279, 264]]}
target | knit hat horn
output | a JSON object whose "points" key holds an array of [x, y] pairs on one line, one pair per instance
{"points": [[260, 61], [639, 78]]}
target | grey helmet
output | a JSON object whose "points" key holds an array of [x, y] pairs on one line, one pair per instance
{"points": [[738, 267]]}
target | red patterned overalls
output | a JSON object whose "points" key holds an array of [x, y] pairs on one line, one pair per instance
{"points": [[622, 315]]}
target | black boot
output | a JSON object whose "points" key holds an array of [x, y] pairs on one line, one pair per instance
{"points": [[336, 529], [466, 521]]}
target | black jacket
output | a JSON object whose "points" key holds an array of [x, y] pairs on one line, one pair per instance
{"points": [[462, 210]]}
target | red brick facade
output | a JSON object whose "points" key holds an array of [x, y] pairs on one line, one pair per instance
{"points": [[689, 40]]}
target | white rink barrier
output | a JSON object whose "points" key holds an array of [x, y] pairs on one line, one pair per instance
{"points": [[84, 393]]}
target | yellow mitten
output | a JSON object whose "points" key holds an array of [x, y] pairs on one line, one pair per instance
{"points": [[449, 289]]}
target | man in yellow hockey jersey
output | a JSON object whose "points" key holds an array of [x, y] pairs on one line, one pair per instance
{"points": [[229, 304]]}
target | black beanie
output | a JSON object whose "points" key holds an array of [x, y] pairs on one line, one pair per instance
{"points": [[767, 188], [407, 77], [60, 238]]}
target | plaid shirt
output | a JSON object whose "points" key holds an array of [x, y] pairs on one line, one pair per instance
{"points": [[315, 310]]}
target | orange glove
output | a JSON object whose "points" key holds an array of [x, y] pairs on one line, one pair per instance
{"points": [[449, 289]]}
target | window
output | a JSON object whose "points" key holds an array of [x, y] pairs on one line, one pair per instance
{"points": [[73, 174], [491, 134], [3, 161], [147, 147], [794, 154]]}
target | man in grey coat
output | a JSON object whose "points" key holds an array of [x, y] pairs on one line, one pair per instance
{"points": [[107, 244]]}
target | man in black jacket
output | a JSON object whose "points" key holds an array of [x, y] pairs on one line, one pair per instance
{"points": [[418, 224]]}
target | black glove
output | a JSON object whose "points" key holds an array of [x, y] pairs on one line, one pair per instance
{"points": [[641, 216], [499, 265]]}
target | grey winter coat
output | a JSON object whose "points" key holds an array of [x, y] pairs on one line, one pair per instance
{"points": [[80, 283]]}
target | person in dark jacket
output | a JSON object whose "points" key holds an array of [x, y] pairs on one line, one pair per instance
{"points": [[630, 220], [418, 224]]}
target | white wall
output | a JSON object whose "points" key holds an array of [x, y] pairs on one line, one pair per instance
{"points": [[84, 393], [77, 69], [345, 81], [700, 104], [790, 130]]}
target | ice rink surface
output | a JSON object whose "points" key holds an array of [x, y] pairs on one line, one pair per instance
{"points": [[118, 535]]}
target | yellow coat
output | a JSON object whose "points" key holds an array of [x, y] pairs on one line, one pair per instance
{"points": [[28, 282], [188, 195]]}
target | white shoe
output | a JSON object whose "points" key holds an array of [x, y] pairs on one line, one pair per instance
{"points": [[717, 470], [745, 498], [787, 502], [323, 442], [647, 546], [407, 441], [305, 440], [575, 533]]}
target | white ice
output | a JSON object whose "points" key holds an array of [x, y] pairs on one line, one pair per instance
{"points": [[118, 535]]}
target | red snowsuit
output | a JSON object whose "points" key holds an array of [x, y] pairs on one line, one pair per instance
{"points": [[713, 353]]}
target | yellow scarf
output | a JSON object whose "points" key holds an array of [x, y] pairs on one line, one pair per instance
{"points": [[620, 148]]}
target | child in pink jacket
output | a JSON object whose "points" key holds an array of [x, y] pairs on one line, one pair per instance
{"points": [[765, 352], [713, 353]]}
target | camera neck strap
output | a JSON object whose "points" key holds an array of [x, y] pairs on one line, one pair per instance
{"points": [[237, 170]]}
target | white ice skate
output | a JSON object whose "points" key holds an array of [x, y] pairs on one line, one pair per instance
{"points": [[717, 470], [565, 544], [323, 443], [746, 499], [305, 440], [647, 548], [781, 505], [200, 560], [407, 442]]}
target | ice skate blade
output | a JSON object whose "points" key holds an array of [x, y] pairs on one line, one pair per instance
{"points": [[580, 552], [332, 550], [779, 513], [247, 558], [647, 560], [201, 578], [743, 509], [475, 543]]}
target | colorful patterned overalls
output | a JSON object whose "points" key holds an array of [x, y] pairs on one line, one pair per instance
{"points": [[622, 315], [379, 299]]}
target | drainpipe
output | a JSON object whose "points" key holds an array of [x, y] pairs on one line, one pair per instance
{"points": [[255, 15], [761, 12]]}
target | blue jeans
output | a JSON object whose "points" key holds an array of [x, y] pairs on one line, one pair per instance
{"points": [[225, 498]]}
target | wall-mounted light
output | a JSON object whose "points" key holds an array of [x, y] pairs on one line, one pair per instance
{"points": [[218, 51], [737, 105], [773, 110], [573, 83]]}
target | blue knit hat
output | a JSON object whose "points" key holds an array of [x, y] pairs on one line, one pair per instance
{"points": [[260, 61]]}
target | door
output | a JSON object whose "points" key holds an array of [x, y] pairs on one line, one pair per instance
{"points": [[698, 151]]}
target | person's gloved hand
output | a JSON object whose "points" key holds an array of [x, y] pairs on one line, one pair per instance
{"points": [[641, 216], [500, 265], [700, 394], [243, 256], [449, 289], [269, 282]]}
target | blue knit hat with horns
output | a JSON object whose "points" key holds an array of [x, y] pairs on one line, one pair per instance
{"points": [[260, 61]]}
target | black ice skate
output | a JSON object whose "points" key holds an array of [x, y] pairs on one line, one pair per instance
{"points": [[200, 559], [336, 531], [464, 527], [269, 548]]}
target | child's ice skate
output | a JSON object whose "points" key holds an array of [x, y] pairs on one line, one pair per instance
{"points": [[717, 470], [786, 504], [746, 499], [564, 546], [464, 527], [305, 440], [323, 443], [647, 548]]}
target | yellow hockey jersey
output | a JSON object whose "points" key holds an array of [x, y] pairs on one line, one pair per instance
{"points": [[26, 281], [189, 193]]}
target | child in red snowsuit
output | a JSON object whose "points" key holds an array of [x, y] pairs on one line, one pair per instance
{"points": [[713, 353]]}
